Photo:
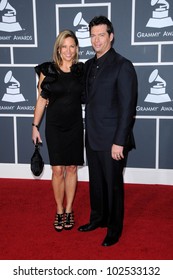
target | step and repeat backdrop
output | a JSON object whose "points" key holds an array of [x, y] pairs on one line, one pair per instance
{"points": [[143, 33]]}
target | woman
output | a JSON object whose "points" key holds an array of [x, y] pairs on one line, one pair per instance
{"points": [[60, 89]]}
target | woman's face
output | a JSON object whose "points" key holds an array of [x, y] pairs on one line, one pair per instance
{"points": [[68, 50]]}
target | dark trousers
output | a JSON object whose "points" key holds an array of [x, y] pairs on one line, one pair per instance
{"points": [[106, 190]]}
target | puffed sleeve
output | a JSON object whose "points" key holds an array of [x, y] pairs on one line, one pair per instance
{"points": [[42, 68], [45, 86], [48, 70]]}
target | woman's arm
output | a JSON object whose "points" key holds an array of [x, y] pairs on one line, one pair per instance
{"points": [[38, 113]]}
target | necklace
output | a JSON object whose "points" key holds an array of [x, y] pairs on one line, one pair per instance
{"points": [[65, 68]]}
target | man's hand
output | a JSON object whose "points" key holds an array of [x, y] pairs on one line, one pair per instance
{"points": [[117, 152]]}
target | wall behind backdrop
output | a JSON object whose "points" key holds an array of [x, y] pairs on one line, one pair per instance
{"points": [[143, 33]]}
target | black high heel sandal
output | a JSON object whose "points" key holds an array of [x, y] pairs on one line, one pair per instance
{"points": [[59, 222], [68, 221]]}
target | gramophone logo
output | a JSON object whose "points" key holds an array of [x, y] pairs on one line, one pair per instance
{"points": [[82, 33], [8, 22], [160, 15], [77, 18], [157, 90], [13, 93]]}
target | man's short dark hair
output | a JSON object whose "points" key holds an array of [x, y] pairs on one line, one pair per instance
{"points": [[98, 20]]}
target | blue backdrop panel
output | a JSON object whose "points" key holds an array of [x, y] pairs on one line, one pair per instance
{"points": [[143, 33]]}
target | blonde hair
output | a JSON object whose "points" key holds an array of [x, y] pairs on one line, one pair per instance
{"points": [[58, 44]]}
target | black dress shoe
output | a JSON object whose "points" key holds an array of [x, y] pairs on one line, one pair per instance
{"points": [[88, 227], [110, 240]]}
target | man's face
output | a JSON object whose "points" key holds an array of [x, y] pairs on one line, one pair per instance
{"points": [[100, 39]]}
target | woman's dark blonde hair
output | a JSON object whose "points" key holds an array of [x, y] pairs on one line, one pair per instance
{"points": [[58, 44]]}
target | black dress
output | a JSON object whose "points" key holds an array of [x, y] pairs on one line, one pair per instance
{"points": [[64, 123]]}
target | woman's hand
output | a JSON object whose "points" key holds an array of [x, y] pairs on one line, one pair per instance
{"points": [[36, 135]]}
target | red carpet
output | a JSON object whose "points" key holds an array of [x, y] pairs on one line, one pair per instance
{"points": [[26, 229]]}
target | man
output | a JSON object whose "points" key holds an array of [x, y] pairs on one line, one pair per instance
{"points": [[111, 92]]}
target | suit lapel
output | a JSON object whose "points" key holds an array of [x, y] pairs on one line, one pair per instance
{"points": [[87, 78]]}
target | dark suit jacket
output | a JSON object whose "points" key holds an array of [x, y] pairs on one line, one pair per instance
{"points": [[111, 103]]}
